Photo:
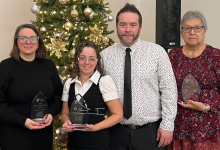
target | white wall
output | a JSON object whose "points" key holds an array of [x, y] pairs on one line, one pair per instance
{"points": [[16, 12], [12, 14]]}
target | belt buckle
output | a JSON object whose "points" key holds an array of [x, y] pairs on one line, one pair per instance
{"points": [[133, 127]]}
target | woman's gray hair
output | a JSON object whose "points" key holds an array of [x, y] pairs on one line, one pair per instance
{"points": [[194, 14]]}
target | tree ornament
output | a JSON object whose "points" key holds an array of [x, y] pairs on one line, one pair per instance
{"points": [[57, 35], [96, 36], [68, 25], [60, 133], [53, 12], [101, 2], [110, 18], [105, 39], [74, 12], [72, 53], [106, 9], [62, 1], [56, 46], [45, 1], [43, 29], [74, 0], [45, 12], [87, 11], [92, 14], [35, 9]]}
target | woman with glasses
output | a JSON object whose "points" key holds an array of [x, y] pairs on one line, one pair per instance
{"points": [[98, 92], [22, 76], [196, 66]]}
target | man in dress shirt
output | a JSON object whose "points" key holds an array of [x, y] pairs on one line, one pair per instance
{"points": [[153, 87]]}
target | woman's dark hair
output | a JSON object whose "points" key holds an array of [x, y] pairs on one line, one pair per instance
{"points": [[79, 49], [129, 8], [40, 53]]}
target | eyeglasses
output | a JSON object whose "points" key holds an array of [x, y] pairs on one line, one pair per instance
{"points": [[196, 29], [84, 59], [32, 39]]}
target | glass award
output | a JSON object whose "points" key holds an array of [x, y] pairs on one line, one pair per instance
{"points": [[79, 112], [39, 108], [190, 88]]}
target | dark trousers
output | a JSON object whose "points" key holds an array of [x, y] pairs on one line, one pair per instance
{"points": [[143, 138]]}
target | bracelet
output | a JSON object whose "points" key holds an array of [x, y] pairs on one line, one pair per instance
{"points": [[206, 108]]}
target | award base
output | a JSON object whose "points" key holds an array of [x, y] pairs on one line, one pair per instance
{"points": [[79, 126], [39, 120]]}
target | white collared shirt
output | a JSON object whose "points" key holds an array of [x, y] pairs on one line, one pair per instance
{"points": [[106, 86], [153, 85]]}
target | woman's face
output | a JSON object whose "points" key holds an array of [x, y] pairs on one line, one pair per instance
{"points": [[193, 38], [28, 49], [87, 61]]}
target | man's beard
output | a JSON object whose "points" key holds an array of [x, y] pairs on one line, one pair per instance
{"points": [[128, 44]]}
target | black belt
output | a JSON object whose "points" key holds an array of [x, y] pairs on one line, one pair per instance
{"points": [[134, 127]]}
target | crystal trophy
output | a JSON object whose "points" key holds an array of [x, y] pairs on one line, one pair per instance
{"points": [[79, 113], [39, 108], [190, 88]]}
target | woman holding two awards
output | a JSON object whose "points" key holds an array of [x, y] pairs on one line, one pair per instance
{"points": [[22, 76], [196, 66], [98, 92]]}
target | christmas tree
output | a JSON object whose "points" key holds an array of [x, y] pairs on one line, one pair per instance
{"points": [[64, 24]]}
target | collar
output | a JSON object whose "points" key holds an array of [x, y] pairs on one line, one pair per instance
{"points": [[133, 47], [94, 78]]}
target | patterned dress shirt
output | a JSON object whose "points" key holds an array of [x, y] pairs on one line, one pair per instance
{"points": [[154, 91]]}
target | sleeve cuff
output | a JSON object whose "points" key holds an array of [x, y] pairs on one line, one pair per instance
{"points": [[165, 125]]}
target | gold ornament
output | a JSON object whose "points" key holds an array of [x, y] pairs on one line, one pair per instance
{"points": [[56, 46], [62, 1], [96, 36], [105, 39], [72, 53], [101, 1], [87, 11], [74, 12], [74, 0], [68, 25]]}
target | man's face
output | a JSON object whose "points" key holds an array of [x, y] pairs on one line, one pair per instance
{"points": [[128, 28]]}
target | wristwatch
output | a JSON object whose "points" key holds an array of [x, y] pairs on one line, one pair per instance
{"points": [[206, 108]]}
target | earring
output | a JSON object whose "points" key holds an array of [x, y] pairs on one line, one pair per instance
{"points": [[37, 50]]}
